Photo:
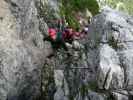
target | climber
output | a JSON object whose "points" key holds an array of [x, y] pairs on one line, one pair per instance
{"points": [[61, 38], [52, 33], [66, 34], [62, 34], [56, 38]]}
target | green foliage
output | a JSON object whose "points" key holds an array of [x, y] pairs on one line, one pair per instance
{"points": [[81, 5], [70, 7], [122, 5]]}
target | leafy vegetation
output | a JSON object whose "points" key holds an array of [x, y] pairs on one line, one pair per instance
{"points": [[122, 5], [69, 8]]}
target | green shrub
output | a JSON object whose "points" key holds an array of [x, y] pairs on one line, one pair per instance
{"points": [[70, 7]]}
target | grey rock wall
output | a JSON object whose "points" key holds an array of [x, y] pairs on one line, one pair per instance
{"points": [[113, 32], [99, 67], [22, 50]]}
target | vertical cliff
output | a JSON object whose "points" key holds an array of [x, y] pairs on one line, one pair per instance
{"points": [[97, 67]]}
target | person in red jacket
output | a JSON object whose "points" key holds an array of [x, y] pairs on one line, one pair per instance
{"points": [[67, 35], [52, 33], [56, 38]]}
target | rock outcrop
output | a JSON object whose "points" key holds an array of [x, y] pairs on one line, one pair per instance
{"points": [[97, 67], [112, 34], [22, 50], [101, 67]]}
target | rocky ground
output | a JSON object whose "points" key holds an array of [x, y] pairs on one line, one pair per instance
{"points": [[98, 67]]}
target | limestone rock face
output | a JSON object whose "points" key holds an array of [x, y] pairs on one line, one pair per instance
{"points": [[101, 68], [111, 74], [97, 67], [112, 33], [22, 50]]}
